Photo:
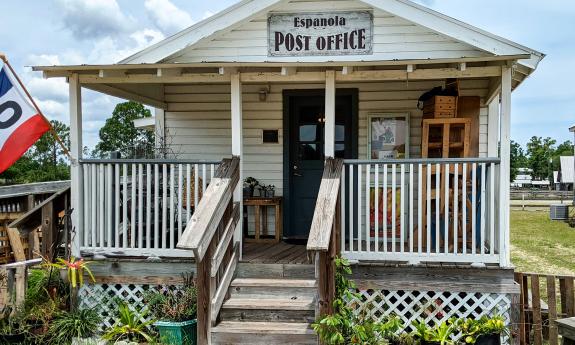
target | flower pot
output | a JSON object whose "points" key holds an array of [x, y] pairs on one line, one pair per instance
{"points": [[177, 333], [248, 192], [489, 339], [270, 193]]}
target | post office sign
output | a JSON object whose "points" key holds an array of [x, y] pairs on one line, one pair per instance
{"points": [[308, 34]]}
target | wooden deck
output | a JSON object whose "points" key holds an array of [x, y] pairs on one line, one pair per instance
{"points": [[275, 253]]}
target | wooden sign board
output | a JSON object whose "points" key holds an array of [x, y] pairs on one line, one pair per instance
{"points": [[312, 34]]}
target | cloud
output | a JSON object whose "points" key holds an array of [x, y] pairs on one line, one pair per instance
{"points": [[167, 16], [89, 19]]}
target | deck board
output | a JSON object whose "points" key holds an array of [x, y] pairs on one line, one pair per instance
{"points": [[277, 253]]}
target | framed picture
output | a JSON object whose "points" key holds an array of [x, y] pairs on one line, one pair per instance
{"points": [[388, 136]]}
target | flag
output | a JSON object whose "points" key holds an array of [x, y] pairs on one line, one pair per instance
{"points": [[21, 125]]}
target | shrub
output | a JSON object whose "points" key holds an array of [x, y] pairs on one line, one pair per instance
{"points": [[129, 326], [82, 323], [174, 305]]}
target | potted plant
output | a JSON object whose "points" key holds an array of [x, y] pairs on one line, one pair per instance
{"points": [[13, 327], [438, 335], [76, 327], [270, 191], [129, 326], [250, 185], [175, 310], [485, 331]]}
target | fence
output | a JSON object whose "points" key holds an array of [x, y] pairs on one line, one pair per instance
{"points": [[544, 299], [421, 210], [139, 207]]}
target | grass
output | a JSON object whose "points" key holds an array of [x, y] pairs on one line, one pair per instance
{"points": [[540, 245]]}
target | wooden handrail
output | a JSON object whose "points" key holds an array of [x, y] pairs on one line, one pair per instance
{"points": [[210, 235], [325, 207], [206, 218], [323, 237]]}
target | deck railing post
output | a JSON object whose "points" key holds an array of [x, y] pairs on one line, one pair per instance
{"points": [[204, 268], [76, 149]]}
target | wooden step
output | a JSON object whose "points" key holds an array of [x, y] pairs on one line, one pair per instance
{"points": [[269, 303], [229, 332], [268, 288], [259, 270]]}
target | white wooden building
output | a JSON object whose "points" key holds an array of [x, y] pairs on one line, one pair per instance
{"points": [[283, 85]]}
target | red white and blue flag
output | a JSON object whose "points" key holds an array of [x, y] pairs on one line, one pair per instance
{"points": [[21, 125]]}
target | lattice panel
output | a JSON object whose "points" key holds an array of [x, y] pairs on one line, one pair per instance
{"points": [[106, 297], [433, 307]]}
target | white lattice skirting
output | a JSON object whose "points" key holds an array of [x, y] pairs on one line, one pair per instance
{"points": [[105, 299], [432, 307]]}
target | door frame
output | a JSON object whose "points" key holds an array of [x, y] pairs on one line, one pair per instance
{"points": [[287, 176]]}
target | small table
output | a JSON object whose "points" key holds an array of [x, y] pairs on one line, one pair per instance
{"points": [[566, 328], [261, 216]]}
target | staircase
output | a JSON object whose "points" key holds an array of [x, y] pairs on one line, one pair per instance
{"points": [[267, 308]]}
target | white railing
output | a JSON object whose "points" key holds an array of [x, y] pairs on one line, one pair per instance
{"points": [[139, 207], [421, 210]]}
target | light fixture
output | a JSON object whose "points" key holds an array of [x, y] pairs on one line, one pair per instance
{"points": [[263, 93]]}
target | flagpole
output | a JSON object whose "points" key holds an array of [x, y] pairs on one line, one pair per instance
{"points": [[52, 130]]}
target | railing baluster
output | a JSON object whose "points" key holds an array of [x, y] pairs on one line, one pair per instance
{"points": [[376, 208], [156, 207], [402, 204], [109, 206], [483, 218], [455, 207], [180, 198], [437, 205], [196, 185], [172, 208], [492, 209], [367, 207], [393, 205], [351, 199], [419, 208], [148, 206], [101, 206], [204, 175], [446, 210], [87, 202], [188, 192], [410, 209], [117, 205], [428, 209], [164, 205], [359, 214], [134, 206], [140, 192], [385, 177], [125, 209], [473, 208], [342, 211], [464, 208]]}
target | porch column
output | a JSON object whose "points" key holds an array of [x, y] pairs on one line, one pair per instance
{"points": [[160, 133], [493, 128], [505, 169], [238, 147], [75, 168], [329, 139]]}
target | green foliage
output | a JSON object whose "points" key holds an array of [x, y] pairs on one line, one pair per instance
{"points": [[346, 327], [44, 161], [75, 269], [174, 305], [82, 323], [120, 134], [518, 159], [472, 329], [129, 326], [540, 152], [13, 322]]}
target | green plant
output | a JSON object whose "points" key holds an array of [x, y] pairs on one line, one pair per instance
{"points": [[82, 323], [44, 285], [443, 333], [75, 268], [174, 305], [472, 329], [129, 326], [251, 182], [421, 331], [390, 328], [13, 322]]}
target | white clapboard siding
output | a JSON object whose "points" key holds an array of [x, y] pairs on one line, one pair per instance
{"points": [[393, 38]]}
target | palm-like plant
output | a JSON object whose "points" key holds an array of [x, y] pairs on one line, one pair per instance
{"points": [[75, 268], [129, 326]]}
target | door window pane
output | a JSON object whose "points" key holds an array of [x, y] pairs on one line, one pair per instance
{"points": [[339, 133], [308, 133], [340, 150]]}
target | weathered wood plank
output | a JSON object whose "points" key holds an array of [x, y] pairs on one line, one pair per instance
{"points": [[16, 244], [552, 303], [225, 241], [325, 209], [226, 279], [537, 321]]}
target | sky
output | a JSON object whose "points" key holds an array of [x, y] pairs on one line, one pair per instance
{"points": [[48, 32]]}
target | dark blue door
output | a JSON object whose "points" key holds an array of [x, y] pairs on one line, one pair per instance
{"points": [[303, 167]]}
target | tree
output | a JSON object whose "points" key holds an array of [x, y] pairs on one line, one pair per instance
{"points": [[540, 152], [44, 161], [564, 149], [120, 134], [518, 159]]}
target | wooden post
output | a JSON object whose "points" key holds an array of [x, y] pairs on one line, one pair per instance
{"points": [[76, 148], [204, 297], [329, 139], [552, 302], [49, 235], [537, 321], [21, 283], [505, 169], [16, 244], [238, 148], [521, 319]]}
